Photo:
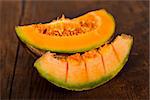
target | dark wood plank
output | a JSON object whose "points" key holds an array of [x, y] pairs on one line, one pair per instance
{"points": [[10, 13], [131, 83]]}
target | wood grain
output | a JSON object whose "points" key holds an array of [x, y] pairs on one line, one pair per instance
{"points": [[20, 80], [8, 44]]}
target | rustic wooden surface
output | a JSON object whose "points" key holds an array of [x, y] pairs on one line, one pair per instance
{"points": [[20, 80]]}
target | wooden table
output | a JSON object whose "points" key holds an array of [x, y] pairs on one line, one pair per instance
{"points": [[20, 80]]}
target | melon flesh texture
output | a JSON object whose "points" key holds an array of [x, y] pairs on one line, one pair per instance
{"points": [[89, 70], [94, 65], [77, 73], [109, 58], [83, 33], [52, 68], [121, 46]]}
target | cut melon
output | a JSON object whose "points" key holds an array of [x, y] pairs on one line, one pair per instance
{"points": [[69, 35], [89, 70]]}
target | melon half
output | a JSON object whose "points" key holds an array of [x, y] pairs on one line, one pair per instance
{"points": [[86, 71]]}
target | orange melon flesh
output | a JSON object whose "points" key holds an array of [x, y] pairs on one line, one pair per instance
{"points": [[77, 73], [121, 45], [89, 70], [109, 58], [103, 30], [94, 65]]}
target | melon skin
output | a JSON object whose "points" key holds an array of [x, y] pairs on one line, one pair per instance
{"points": [[86, 85], [28, 41]]}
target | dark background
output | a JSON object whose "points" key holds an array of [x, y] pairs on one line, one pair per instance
{"points": [[18, 78]]}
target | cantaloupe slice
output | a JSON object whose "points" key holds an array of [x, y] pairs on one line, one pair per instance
{"points": [[89, 70], [69, 35]]}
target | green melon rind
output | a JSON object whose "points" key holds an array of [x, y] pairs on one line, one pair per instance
{"points": [[86, 86], [21, 36], [24, 39]]}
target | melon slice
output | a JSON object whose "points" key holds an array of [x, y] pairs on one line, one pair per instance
{"points": [[89, 70], [69, 35]]}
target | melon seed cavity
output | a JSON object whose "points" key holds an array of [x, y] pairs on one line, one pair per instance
{"points": [[66, 28]]}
